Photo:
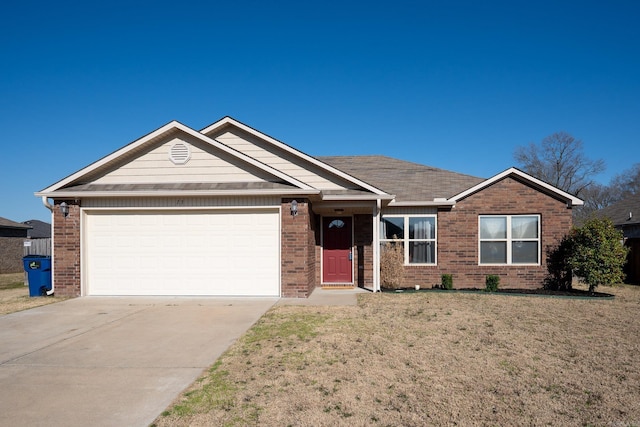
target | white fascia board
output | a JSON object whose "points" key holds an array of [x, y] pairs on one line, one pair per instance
{"points": [[291, 150], [164, 129], [574, 201], [175, 193]]}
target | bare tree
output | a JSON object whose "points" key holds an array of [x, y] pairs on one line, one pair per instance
{"points": [[626, 184], [559, 160], [596, 196]]}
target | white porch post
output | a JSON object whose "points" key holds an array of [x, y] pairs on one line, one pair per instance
{"points": [[376, 246]]}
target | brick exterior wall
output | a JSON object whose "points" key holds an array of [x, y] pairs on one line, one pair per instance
{"points": [[301, 247], [66, 250], [298, 253], [363, 253], [458, 237]]}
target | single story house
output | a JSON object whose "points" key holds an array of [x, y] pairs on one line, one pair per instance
{"points": [[625, 216], [231, 211], [39, 229], [12, 236]]}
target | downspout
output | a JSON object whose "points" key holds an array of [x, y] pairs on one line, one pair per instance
{"points": [[376, 246], [45, 202]]}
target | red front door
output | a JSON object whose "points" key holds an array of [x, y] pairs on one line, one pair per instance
{"points": [[336, 250]]}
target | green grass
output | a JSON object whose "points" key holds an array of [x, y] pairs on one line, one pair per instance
{"points": [[217, 393], [272, 326]]}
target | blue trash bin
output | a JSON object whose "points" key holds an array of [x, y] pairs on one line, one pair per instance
{"points": [[38, 270]]}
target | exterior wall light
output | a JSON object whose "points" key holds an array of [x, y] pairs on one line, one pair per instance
{"points": [[64, 209], [294, 208]]}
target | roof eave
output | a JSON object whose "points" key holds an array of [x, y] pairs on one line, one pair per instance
{"points": [[346, 197], [173, 193], [570, 199]]}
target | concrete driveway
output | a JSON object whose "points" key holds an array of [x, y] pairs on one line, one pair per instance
{"points": [[112, 361]]}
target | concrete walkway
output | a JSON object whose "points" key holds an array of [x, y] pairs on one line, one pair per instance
{"points": [[112, 361], [327, 297]]}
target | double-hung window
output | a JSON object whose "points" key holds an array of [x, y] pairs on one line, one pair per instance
{"points": [[509, 239], [416, 235]]}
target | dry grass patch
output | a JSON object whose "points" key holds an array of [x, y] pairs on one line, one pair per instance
{"points": [[14, 295], [429, 359]]}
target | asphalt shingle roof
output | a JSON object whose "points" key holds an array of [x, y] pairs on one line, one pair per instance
{"points": [[407, 180], [619, 212], [40, 229], [7, 223]]}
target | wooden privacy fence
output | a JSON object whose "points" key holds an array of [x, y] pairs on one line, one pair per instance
{"points": [[37, 247]]}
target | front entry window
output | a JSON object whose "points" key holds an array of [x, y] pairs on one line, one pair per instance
{"points": [[336, 223]]}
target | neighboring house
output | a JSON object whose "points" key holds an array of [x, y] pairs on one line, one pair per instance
{"points": [[625, 215], [12, 236], [231, 211], [39, 229]]}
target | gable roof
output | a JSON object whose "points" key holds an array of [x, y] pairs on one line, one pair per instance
{"points": [[173, 126], [623, 213], [227, 121], [80, 182], [361, 177], [517, 173], [410, 182]]}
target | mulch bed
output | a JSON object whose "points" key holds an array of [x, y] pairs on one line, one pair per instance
{"points": [[576, 293]]}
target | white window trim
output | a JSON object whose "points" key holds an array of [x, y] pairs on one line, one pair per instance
{"points": [[405, 240], [509, 239]]}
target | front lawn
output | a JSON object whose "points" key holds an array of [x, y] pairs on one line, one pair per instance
{"points": [[429, 359], [14, 295]]}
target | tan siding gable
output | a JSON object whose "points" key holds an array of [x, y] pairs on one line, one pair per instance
{"points": [[281, 160], [206, 164]]}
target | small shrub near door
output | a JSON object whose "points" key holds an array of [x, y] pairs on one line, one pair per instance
{"points": [[447, 281], [492, 283]]}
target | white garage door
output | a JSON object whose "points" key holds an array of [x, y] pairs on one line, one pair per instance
{"points": [[222, 253]]}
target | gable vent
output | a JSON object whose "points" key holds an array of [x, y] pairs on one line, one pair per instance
{"points": [[179, 153]]}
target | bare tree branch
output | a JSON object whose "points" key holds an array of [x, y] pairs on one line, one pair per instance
{"points": [[559, 160]]}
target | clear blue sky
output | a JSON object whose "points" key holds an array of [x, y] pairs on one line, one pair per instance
{"points": [[452, 84]]}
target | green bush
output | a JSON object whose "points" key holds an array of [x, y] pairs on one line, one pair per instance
{"points": [[559, 275], [492, 283], [594, 252], [598, 255], [447, 281]]}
